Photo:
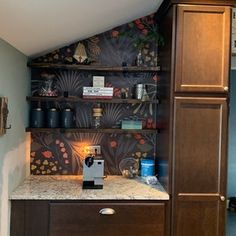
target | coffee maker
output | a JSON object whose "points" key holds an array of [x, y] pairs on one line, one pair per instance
{"points": [[93, 173]]}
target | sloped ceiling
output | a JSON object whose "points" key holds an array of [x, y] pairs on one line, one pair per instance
{"points": [[38, 26]]}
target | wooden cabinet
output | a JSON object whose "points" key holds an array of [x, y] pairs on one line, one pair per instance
{"points": [[125, 219], [84, 218], [200, 144], [197, 62], [202, 48]]}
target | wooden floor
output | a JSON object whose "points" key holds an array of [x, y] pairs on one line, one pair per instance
{"points": [[231, 224]]}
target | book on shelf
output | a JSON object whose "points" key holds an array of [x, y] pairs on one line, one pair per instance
{"points": [[96, 97], [97, 94], [131, 124], [98, 89]]}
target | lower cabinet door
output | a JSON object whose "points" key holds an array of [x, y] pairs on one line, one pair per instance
{"points": [[112, 219], [199, 170]]}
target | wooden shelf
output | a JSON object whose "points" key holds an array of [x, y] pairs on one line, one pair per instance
{"points": [[77, 99], [95, 67], [87, 130]]}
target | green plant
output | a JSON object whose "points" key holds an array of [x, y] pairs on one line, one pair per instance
{"points": [[142, 32]]}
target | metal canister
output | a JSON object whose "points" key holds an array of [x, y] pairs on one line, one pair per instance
{"points": [[52, 118], [139, 88], [67, 118], [37, 118]]}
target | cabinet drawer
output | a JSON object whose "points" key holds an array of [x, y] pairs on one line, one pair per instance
{"points": [[70, 219]]}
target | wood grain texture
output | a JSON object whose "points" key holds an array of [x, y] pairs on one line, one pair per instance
{"points": [[17, 218], [78, 99], [94, 67], [200, 153], [202, 49], [84, 219]]}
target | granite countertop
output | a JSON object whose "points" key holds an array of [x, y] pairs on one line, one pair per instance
{"points": [[70, 188]]}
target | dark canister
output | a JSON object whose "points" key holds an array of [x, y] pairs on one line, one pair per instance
{"points": [[37, 118], [52, 118], [67, 118]]}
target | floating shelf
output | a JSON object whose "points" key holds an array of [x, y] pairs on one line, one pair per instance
{"points": [[87, 130], [95, 67], [77, 99]]}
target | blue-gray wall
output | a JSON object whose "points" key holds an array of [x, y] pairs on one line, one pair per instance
{"points": [[14, 145], [232, 138]]}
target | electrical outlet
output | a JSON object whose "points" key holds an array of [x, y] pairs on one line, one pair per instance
{"points": [[94, 150]]}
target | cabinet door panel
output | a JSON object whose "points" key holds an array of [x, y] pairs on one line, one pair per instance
{"points": [[200, 144], [202, 49], [199, 166], [84, 219], [198, 218]]}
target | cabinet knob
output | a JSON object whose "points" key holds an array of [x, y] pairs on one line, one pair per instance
{"points": [[226, 88], [107, 211], [222, 198]]}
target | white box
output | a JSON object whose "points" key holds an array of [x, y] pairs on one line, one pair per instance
{"points": [[98, 81]]}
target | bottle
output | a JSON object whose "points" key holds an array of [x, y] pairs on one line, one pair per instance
{"points": [[139, 59], [97, 114]]}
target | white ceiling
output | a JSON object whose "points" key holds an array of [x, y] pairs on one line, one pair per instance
{"points": [[38, 26]]}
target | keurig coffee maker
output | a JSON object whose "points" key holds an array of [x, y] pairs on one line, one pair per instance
{"points": [[93, 173]]}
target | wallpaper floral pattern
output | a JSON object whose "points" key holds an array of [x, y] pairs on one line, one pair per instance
{"points": [[63, 153]]}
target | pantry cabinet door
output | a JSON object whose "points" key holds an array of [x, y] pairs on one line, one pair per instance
{"points": [[202, 58], [200, 138]]}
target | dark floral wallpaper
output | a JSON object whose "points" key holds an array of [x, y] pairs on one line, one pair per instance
{"points": [[63, 153]]}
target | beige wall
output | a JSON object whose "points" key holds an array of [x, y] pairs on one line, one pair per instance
{"points": [[14, 145]]}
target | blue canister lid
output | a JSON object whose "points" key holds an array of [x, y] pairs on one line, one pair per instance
{"points": [[147, 162]]}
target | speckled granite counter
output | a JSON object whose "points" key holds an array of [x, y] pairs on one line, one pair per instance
{"points": [[70, 188]]}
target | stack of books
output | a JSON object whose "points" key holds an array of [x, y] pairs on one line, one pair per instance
{"points": [[97, 92]]}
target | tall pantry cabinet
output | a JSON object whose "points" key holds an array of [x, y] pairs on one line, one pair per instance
{"points": [[196, 64]]}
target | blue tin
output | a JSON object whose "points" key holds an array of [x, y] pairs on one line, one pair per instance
{"points": [[67, 118], [52, 118], [37, 118], [147, 167]]}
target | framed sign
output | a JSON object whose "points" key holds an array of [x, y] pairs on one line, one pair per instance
{"points": [[234, 32]]}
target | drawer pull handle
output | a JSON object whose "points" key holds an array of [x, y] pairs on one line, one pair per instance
{"points": [[107, 211]]}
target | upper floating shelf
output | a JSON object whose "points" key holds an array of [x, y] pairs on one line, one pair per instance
{"points": [[95, 67], [77, 99]]}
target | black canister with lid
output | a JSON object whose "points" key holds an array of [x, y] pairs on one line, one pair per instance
{"points": [[52, 118], [67, 118], [37, 118]]}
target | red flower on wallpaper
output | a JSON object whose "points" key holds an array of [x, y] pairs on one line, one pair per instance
{"points": [[156, 78], [138, 136], [115, 33], [142, 141], [47, 154], [113, 144]]}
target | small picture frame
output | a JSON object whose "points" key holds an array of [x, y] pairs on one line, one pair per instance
{"points": [[233, 48]]}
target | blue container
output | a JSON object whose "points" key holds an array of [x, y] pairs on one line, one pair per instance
{"points": [[67, 118], [147, 167], [37, 118], [52, 118]]}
